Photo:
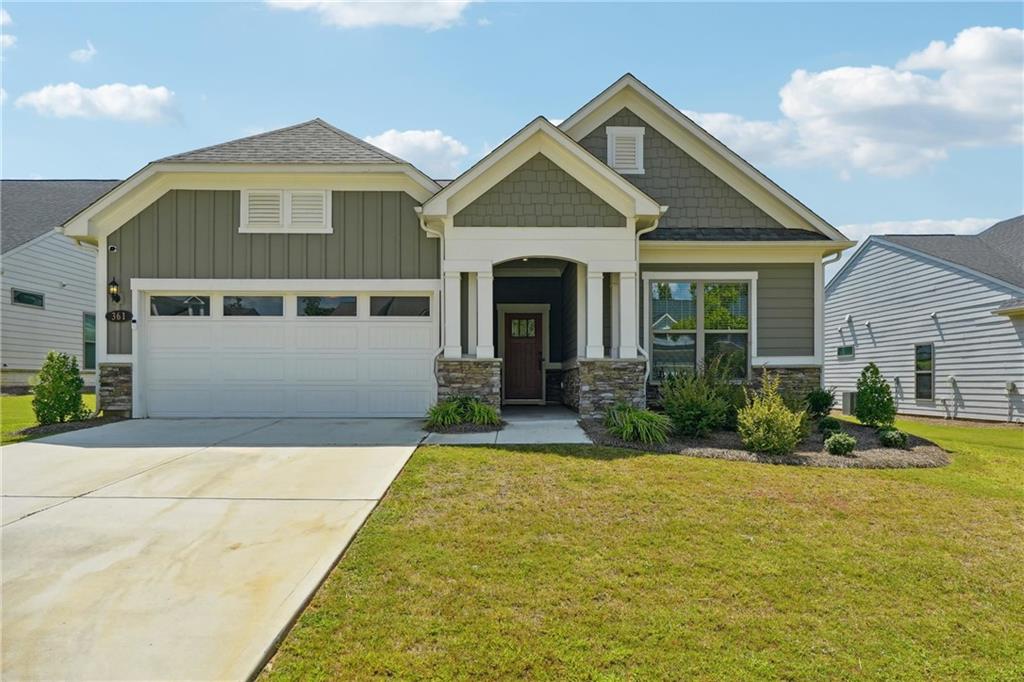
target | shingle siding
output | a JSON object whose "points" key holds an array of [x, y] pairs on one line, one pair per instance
{"points": [[539, 194]]}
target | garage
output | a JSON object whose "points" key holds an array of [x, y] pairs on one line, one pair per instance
{"points": [[285, 354]]}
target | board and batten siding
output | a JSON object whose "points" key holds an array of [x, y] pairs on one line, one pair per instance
{"points": [[65, 273], [194, 234], [897, 291], [785, 303]]}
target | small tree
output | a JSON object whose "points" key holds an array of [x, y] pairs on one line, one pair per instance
{"points": [[875, 406], [57, 396]]}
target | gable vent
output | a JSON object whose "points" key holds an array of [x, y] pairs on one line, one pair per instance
{"points": [[626, 149], [308, 209], [264, 209]]}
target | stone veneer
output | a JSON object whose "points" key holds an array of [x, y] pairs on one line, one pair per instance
{"points": [[114, 390], [470, 377], [593, 385], [796, 381]]}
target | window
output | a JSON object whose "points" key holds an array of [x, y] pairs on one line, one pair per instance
{"points": [[253, 306], [322, 306], [88, 341], [844, 352], [626, 149], [179, 306], [28, 298], [924, 371], [524, 329], [400, 306], [276, 210], [695, 322]]}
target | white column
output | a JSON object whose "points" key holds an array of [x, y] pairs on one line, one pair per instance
{"points": [[628, 323], [614, 305], [471, 313], [452, 305], [485, 314], [595, 314]]}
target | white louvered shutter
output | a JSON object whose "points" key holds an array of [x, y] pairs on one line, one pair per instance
{"points": [[626, 152], [263, 208], [308, 209]]}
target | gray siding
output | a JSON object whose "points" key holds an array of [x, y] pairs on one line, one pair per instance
{"points": [[569, 312], [696, 197], [539, 194], [194, 234], [785, 303], [897, 292]]}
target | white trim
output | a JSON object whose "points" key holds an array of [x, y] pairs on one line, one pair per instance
{"points": [[595, 313], [278, 286], [452, 337], [485, 314], [545, 311], [471, 313], [737, 252], [629, 322], [819, 312], [785, 361], [634, 133]]}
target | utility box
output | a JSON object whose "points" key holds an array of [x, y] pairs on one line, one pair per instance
{"points": [[849, 402]]}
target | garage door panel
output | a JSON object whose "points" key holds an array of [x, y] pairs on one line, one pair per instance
{"points": [[178, 367], [330, 368], [179, 335], [397, 369], [183, 401], [381, 401], [327, 336], [252, 367], [251, 400], [243, 336], [325, 402], [391, 336]]}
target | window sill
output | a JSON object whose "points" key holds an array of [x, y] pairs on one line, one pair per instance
{"points": [[285, 230]]}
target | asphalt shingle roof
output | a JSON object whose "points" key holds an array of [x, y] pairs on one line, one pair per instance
{"points": [[29, 208], [731, 234], [314, 142], [997, 252]]}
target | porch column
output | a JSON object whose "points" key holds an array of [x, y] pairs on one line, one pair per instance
{"points": [[485, 314], [595, 314], [628, 318], [452, 313], [471, 321]]}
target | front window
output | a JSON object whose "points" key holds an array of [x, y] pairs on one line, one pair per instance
{"points": [[924, 371], [88, 341], [696, 322], [28, 298]]}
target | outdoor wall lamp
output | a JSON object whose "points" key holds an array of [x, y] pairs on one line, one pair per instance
{"points": [[114, 290]]}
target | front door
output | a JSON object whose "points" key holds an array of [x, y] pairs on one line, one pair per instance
{"points": [[524, 357]]}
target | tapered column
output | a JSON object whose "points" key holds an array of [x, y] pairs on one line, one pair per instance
{"points": [[485, 314], [628, 315], [595, 314], [452, 313]]}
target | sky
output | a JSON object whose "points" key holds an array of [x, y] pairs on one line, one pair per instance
{"points": [[881, 118]]}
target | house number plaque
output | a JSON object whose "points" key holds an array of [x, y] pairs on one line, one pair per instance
{"points": [[119, 316]]}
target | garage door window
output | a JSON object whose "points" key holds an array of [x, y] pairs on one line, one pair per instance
{"points": [[250, 306], [400, 306], [324, 306], [179, 306]]}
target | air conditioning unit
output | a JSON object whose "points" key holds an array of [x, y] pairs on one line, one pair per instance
{"points": [[849, 402]]}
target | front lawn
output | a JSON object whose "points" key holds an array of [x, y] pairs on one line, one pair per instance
{"points": [[576, 562], [16, 414]]}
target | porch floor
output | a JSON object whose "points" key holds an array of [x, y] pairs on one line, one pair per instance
{"points": [[526, 424]]}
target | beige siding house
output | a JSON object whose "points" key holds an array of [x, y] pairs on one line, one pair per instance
{"points": [[306, 272]]}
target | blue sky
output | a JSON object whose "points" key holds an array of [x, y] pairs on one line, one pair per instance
{"points": [[928, 139]]}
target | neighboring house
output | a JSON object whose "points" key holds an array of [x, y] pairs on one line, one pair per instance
{"points": [[306, 272], [48, 279], [941, 315]]}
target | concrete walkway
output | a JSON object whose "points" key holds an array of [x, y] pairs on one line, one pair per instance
{"points": [[179, 549], [525, 426]]}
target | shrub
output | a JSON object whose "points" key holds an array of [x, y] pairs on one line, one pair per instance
{"points": [[765, 424], [57, 396], [634, 424], [829, 425], [693, 405], [480, 413], [875, 406], [893, 438], [840, 443], [445, 414], [820, 401], [461, 410]]}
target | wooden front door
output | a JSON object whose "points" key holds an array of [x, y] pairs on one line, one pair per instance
{"points": [[524, 357]]}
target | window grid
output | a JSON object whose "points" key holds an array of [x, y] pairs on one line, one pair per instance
{"points": [[924, 379]]}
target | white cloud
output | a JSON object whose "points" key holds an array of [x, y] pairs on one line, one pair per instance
{"points": [[433, 152], [3, 96], [892, 121], [432, 15], [5, 17], [7, 40], [861, 231], [114, 101], [84, 54]]}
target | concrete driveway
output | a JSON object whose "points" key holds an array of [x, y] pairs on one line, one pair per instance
{"points": [[179, 549]]}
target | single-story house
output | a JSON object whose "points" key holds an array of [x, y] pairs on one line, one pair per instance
{"points": [[941, 315], [304, 271], [48, 279]]}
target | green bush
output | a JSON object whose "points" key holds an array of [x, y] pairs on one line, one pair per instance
{"points": [[461, 410], [693, 405], [634, 424], [893, 438], [820, 401], [875, 406], [830, 425], [765, 424], [57, 395], [840, 443], [481, 414]]}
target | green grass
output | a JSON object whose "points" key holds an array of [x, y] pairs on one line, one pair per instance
{"points": [[16, 414], [588, 563]]}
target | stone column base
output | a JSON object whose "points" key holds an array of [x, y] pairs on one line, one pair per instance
{"points": [[114, 389], [479, 378], [593, 385], [794, 381]]}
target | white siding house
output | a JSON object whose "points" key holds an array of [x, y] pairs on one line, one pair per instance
{"points": [[900, 306]]}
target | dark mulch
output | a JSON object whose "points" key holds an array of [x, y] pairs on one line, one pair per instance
{"points": [[64, 427], [868, 454], [468, 428]]}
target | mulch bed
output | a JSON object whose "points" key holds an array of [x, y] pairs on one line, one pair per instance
{"points": [[468, 428], [64, 427], [868, 454]]}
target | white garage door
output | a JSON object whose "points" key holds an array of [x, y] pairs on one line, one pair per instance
{"points": [[279, 355]]}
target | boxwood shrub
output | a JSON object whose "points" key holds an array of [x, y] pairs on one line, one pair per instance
{"points": [[840, 444]]}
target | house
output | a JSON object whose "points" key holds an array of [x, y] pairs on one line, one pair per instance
{"points": [[941, 315], [305, 272], [48, 279]]}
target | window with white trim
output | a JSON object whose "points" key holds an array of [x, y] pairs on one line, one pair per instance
{"points": [[626, 149], [277, 210], [924, 371]]}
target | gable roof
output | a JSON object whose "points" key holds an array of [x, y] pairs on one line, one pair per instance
{"points": [[29, 208], [314, 141]]}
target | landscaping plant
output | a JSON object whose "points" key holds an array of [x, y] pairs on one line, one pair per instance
{"points": [[765, 424], [840, 443], [693, 405], [636, 425], [820, 401], [829, 425], [875, 406], [57, 395], [461, 410], [893, 438]]}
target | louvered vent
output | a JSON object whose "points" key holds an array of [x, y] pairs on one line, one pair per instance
{"points": [[626, 149], [264, 209], [625, 152], [308, 209]]}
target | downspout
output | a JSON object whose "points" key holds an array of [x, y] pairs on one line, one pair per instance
{"points": [[640, 287], [440, 302]]}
